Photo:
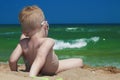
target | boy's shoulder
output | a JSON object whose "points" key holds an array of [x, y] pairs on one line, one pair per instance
{"points": [[47, 39]]}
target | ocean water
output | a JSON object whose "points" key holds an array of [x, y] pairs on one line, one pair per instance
{"points": [[96, 44]]}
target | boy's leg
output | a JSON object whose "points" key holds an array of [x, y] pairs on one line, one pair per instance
{"points": [[69, 63]]}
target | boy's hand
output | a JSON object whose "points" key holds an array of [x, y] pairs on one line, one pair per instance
{"points": [[23, 36]]}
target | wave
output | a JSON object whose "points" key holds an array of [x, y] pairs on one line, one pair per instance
{"points": [[94, 39], [62, 44], [9, 33], [71, 29], [78, 43]]}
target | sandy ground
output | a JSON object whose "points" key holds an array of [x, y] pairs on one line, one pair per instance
{"points": [[86, 73]]}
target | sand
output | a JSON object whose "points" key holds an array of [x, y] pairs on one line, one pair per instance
{"points": [[85, 73]]}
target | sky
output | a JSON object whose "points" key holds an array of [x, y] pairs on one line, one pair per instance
{"points": [[64, 11]]}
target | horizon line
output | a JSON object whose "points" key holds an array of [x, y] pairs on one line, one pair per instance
{"points": [[67, 23]]}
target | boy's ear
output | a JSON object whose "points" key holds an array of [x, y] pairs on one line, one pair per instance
{"points": [[45, 25]]}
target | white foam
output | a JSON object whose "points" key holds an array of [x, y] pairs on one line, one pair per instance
{"points": [[104, 39], [95, 39], [78, 43], [60, 44], [70, 29]]}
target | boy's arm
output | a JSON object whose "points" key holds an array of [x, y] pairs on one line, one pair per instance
{"points": [[14, 57], [42, 52]]}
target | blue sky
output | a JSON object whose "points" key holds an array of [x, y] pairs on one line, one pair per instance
{"points": [[64, 11]]}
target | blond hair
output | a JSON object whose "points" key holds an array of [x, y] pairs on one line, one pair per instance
{"points": [[31, 16]]}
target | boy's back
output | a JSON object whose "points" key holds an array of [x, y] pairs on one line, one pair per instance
{"points": [[30, 48]]}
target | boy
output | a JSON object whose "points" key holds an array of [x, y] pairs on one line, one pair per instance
{"points": [[36, 49]]}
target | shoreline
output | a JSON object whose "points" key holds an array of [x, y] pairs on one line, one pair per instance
{"points": [[85, 73]]}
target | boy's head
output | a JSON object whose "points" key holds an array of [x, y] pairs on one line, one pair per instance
{"points": [[31, 18]]}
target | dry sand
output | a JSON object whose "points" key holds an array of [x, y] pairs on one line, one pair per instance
{"points": [[86, 73]]}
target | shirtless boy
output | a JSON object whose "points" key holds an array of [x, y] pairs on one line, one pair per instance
{"points": [[36, 48]]}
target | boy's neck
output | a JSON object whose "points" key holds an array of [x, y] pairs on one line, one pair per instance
{"points": [[37, 35]]}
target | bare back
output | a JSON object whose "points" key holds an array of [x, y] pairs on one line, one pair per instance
{"points": [[30, 48]]}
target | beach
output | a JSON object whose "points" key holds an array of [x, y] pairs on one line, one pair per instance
{"points": [[85, 73], [98, 46]]}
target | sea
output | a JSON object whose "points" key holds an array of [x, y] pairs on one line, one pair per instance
{"points": [[96, 44]]}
